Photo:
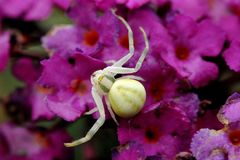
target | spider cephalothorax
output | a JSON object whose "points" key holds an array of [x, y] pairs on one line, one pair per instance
{"points": [[124, 96], [102, 81]]}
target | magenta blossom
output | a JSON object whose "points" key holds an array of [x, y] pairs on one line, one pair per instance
{"points": [[19, 143], [132, 4], [63, 39], [223, 13], [216, 145], [195, 9], [189, 47], [30, 9], [163, 84], [224, 143], [33, 95], [157, 137], [97, 31], [68, 80], [232, 56], [26, 70], [227, 113], [90, 36]]}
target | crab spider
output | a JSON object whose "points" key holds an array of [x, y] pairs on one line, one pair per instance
{"points": [[124, 96]]}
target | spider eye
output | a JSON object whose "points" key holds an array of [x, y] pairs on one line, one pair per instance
{"points": [[127, 97]]}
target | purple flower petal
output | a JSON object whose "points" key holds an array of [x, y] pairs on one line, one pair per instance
{"points": [[133, 4], [105, 4], [63, 39], [209, 39], [130, 150], [64, 4], [68, 79], [25, 69], [69, 107], [232, 56], [190, 45], [158, 37], [211, 144], [14, 8], [66, 69], [26, 144], [230, 24], [163, 84], [195, 9], [229, 113], [200, 76], [36, 10], [89, 37], [188, 103], [22, 138], [30, 9], [80, 9], [206, 141], [37, 13], [39, 105]]}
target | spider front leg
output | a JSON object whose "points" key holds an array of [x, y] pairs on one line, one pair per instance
{"points": [[98, 100], [124, 59], [124, 70], [91, 111]]}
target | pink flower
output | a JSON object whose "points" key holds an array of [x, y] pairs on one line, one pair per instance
{"points": [[18, 143], [68, 79], [30, 9], [32, 96], [164, 130], [191, 42]]}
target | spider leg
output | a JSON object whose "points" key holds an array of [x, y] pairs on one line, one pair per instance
{"points": [[91, 111], [111, 111], [98, 100], [124, 59], [110, 62], [125, 70], [120, 70], [144, 52]]}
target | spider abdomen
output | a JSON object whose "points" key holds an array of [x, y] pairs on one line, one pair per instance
{"points": [[127, 97]]}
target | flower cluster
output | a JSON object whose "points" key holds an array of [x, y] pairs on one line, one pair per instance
{"points": [[192, 66], [224, 143], [29, 144]]}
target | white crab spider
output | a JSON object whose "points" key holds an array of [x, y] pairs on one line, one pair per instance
{"points": [[124, 96]]}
